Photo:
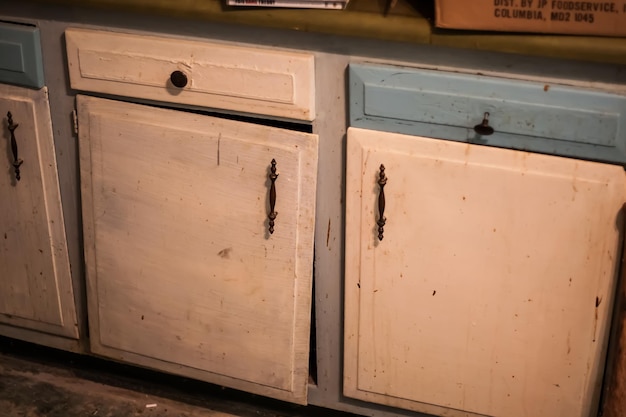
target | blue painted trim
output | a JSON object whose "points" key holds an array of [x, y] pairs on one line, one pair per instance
{"points": [[21, 61], [552, 119]]}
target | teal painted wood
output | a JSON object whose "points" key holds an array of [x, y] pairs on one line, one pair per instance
{"points": [[552, 119], [20, 55]]}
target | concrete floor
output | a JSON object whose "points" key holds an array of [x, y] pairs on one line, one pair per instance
{"points": [[42, 382]]}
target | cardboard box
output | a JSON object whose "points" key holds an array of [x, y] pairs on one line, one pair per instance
{"points": [[302, 4], [590, 17]]}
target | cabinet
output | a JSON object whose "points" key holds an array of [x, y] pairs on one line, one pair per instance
{"points": [[35, 282], [491, 288], [183, 274]]}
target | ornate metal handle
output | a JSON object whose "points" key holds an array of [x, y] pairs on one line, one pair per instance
{"points": [[382, 181], [272, 216], [483, 128], [17, 162]]}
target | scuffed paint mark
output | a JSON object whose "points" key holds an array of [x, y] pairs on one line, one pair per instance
{"points": [[328, 234], [595, 321], [219, 140], [225, 253]]}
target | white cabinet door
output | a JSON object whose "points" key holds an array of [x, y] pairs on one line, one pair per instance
{"points": [[35, 282], [491, 289], [183, 275]]}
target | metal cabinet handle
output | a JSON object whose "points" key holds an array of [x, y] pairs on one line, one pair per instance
{"points": [[17, 162], [272, 215], [178, 79], [483, 127], [382, 181]]}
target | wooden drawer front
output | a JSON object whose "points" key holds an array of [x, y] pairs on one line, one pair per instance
{"points": [[530, 116], [252, 80], [20, 55]]}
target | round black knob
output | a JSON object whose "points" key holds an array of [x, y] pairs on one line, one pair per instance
{"points": [[178, 79]]}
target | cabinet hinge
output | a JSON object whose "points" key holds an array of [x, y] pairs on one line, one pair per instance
{"points": [[75, 120]]}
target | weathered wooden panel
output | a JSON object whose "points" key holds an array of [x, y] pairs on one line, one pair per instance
{"points": [[491, 291], [35, 283], [20, 55], [545, 118], [183, 275], [230, 77]]}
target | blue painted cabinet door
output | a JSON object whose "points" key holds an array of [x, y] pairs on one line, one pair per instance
{"points": [[20, 55], [538, 117]]}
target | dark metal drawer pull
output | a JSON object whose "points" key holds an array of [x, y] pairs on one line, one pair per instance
{"points": [[382, 180], [272, 216], [483, 128], [17, 162]]}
